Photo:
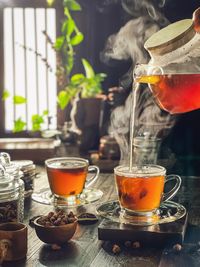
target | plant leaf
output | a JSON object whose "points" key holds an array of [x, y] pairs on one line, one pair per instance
{"points": [[77, 39], [68, 27], [63, 99], [37, 120], [77, 78], [72, 5], [89, 72], [102, 75], [5, 95], [59, 42], [19, 125], [45, 112], [50, 2], [18, 100]]}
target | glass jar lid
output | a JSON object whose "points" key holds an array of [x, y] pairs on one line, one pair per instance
{"points": [[8, 186], [5, 178], [10, 166], [4, 158], [24, 165]]}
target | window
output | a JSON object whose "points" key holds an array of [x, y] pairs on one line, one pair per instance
{"points": [[29, 63]]}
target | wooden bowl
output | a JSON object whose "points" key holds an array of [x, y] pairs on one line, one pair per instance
{"points": [[55, 234]]}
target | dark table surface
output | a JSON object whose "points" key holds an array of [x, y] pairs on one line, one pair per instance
{"points": [[84, 249]]}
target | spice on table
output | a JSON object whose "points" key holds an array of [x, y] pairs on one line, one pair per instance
{"points": [[177, 247], [116, 249], [127, 244], [136, 244]]}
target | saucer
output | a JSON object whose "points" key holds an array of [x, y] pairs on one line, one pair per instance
{"points": [[169, 211], [46, 197]]}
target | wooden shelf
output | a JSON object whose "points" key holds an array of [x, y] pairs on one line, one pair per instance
{"points": [[35, 149]]}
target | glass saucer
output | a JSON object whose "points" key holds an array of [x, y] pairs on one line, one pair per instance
{"points": [[88, 196], [169, 211]]}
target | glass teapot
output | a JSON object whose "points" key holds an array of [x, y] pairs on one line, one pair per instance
{"points": [[173, 73]]}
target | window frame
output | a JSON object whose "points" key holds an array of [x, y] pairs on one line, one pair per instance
{"points": [[23, 4]]}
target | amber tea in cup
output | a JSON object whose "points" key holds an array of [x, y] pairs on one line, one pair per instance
{"points": [[140, 190], [67, 176]]}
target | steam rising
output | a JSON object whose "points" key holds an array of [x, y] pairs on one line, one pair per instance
{"points": [[150, 118], [120, 121], [128, 43], [141, 7]]}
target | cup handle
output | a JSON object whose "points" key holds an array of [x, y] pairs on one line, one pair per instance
{"points": [[91, 180], [4, 246], [169, 195]]}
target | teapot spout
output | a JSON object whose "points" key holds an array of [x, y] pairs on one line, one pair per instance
{"points": [[150, 79]]}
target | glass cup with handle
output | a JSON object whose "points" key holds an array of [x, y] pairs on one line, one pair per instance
{"points": [[68, 176], [141, 190]]}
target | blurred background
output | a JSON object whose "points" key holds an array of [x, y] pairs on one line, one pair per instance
{"points": [[66, 75]]}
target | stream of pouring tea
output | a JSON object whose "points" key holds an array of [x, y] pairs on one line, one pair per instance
{"points": [[132, 122]]}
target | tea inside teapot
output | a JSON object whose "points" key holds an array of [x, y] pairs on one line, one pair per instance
{"points": [[173, 73]]}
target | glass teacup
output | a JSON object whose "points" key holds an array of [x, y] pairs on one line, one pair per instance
{"points": [[67, 178], [141, 190]]}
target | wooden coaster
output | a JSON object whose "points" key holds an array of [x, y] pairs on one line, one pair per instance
{"points": [[159, 235]]}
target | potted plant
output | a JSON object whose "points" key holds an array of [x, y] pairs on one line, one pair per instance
{"points": [[82, 90], [72, 88]]}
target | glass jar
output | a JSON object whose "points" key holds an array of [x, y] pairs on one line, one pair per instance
{"points": [[12, 169], [109, 148], [24, 169], [146, 149], [28, 170], [11, 198]]}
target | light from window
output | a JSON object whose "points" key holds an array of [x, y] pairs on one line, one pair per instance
{"points": [[26, 74]]}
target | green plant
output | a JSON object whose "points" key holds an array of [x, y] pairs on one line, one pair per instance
{"points": [[87, 84]]}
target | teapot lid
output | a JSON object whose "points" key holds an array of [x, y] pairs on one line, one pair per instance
{"points": [[171, 37]]}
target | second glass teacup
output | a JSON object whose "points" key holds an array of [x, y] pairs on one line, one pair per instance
{"points": [[67, 178], [141, 191]]}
